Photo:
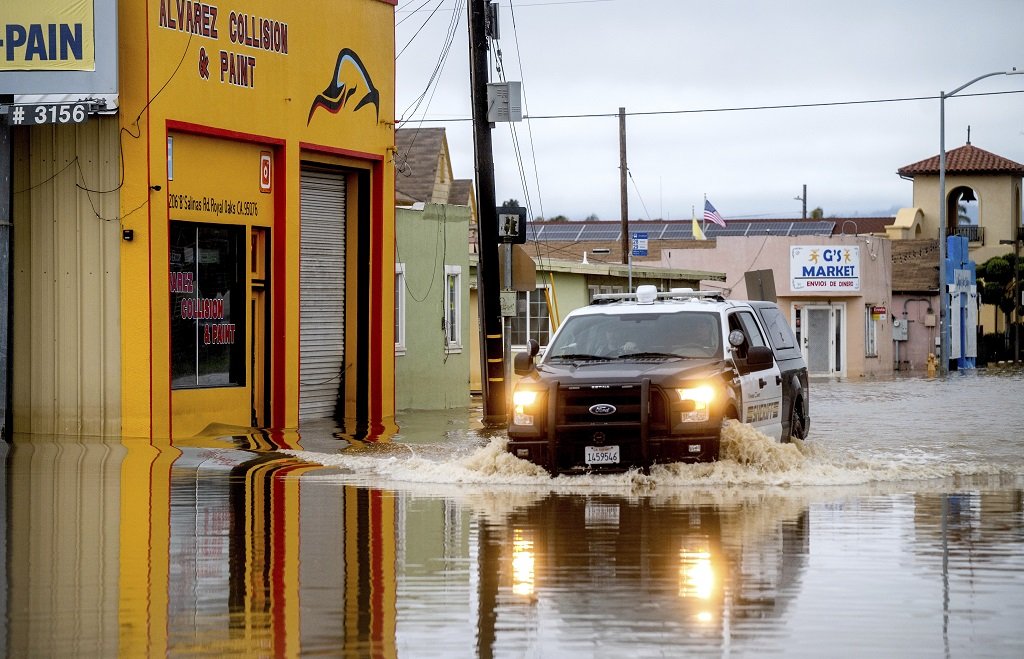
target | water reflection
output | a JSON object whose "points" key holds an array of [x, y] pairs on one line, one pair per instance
{"points": [[225, 545], [614, 571]]}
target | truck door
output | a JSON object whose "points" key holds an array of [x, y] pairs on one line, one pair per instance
{"points": [[761, 406]]}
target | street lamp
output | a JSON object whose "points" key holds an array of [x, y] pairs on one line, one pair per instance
{"points": [[944, 322]]}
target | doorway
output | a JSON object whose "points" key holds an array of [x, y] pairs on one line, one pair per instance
{"points": [[821, 332], [259, 319]]}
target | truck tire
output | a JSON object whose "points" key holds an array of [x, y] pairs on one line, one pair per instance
{"points": [[797, 425]]}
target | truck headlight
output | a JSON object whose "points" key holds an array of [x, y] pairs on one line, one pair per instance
{"points": [[522, 400], [696, 402]]}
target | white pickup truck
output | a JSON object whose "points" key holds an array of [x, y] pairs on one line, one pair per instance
{"points": [[642, 378]]}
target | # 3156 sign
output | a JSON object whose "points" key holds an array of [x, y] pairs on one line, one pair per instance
{"points": [[49, 113]]}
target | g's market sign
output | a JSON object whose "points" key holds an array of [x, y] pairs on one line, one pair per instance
{"points": [[47, 35], [830, 268]]}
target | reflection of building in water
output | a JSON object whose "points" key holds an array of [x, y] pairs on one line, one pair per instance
{"points": [[973, 522], [257, 561]]}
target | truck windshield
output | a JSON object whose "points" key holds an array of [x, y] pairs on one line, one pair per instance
{"points": [[686, 334]]}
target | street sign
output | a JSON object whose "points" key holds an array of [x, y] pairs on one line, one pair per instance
{"points": [[512, 224], [640, 244]]}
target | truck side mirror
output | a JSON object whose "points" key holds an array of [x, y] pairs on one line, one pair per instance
{"points": [[523, 361], [759, 358]]}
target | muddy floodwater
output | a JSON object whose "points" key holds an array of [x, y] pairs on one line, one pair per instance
{"points": [[895, 530]]}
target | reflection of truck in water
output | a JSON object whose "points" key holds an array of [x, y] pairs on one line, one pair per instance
{"points": [[637, 379], [693, 573]]}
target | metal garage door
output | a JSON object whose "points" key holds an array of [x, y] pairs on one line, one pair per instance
{"points": [[321, 294]]}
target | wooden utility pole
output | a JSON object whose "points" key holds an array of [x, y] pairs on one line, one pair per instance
{"points": [[623, 191], [492, 347]]}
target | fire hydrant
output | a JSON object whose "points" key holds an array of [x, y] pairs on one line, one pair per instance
{"points": [[932, 362]]}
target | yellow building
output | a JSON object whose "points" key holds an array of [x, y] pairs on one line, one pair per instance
{"points": [[219, 249]]}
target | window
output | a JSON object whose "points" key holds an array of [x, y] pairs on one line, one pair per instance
{"points": [[744, 321], [399, 308], [594, 289], [779, 332], [870, 333], [531, 320], [207, 273], [453, 307]]}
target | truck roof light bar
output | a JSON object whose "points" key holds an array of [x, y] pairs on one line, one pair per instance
{"points": [[675, 294]]}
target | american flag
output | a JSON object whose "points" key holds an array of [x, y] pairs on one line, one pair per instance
{"points": [[711, 215]]}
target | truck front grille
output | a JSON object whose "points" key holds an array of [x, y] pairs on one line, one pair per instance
{"points": [[608, 405]]}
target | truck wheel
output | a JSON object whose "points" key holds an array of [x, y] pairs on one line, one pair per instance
{"points": [[797, 427]]}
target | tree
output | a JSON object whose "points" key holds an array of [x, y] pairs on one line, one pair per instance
{"points": [[996, 283], [817, 213], [511, 203], [592, 217]]}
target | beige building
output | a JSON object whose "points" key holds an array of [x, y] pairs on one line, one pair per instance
{"points": [[835, 289], [983, 203]]}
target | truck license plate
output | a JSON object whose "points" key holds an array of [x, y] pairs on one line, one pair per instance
{"points": [[601, 455]]}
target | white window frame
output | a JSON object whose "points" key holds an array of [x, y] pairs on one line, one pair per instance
{"points": [[530, 320], [400, 309], [453, 313]]}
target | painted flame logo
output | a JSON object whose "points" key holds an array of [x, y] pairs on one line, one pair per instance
{"points": [[350, 79]]}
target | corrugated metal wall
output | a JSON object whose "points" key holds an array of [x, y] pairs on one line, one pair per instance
{"points": [[67, 237]]}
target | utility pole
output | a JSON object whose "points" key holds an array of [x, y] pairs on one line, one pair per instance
{"points": [[623, 192], [492, 347]]}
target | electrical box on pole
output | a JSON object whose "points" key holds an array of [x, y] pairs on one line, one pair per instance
{"points": [[504, 102]]}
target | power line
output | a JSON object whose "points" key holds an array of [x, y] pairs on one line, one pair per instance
{"points": [[789, 106]]}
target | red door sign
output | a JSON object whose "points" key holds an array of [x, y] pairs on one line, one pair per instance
{"points": [[265, 171]]}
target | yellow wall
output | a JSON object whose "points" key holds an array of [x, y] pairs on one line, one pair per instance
{"points": [[176, 79], [67, 344]]}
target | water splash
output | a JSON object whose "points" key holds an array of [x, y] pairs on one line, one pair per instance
{"points": [[748, 458]]}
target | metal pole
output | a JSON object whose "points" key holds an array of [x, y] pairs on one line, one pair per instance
{"points": [[623, 192], [492, 348], [943, 289]]}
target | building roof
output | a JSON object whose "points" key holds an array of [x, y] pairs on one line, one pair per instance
{"points": [[461, 193], [915, 265], [967, 159], [417, 151], [609, 233]]}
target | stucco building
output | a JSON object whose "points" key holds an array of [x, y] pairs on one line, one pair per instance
{"points": [[214, 245]]}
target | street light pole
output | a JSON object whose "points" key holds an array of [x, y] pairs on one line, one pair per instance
{"points": [[944, 320]]}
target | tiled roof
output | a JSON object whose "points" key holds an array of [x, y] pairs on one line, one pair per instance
{"points": [[915, 265], [417, 158], [461, 192], [967, 159]]}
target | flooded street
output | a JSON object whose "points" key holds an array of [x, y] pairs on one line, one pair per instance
{"points": [[896, 529]]}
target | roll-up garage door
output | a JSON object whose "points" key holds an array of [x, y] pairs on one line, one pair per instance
{"points": [[322, 293]]}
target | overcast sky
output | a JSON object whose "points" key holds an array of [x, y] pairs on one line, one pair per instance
{"points": [[693, 60]]}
